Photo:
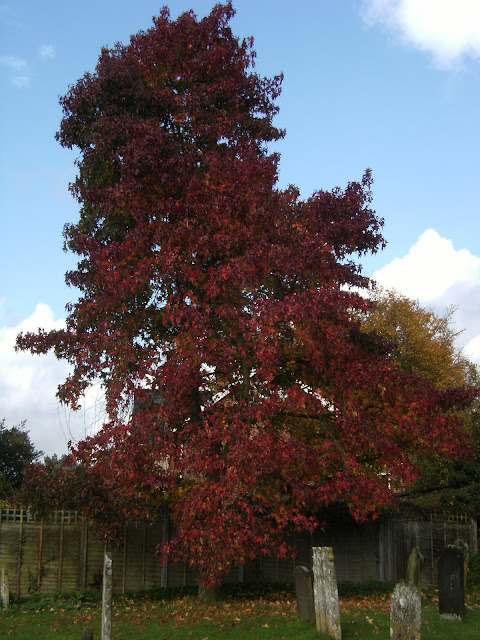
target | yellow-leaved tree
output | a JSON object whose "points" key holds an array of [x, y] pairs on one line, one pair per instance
{"points": [[423, 342]]}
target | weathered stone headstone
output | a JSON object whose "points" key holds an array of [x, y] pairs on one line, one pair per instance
{"points": [[466, 557], [107, 596], [405, 612], [415, 567], [304, 594], [451, 585], [4, 588], [325, 590], [87, 635]]}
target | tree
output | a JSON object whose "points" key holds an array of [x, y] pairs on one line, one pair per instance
{"points": [[226, 308], [16, 449], [423, 342]]}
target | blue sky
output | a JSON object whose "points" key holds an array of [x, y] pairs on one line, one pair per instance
{"points": [[389, 84]]}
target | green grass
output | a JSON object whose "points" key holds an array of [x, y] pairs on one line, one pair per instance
{"points": [[272, 614], [159, 620], [368, 618]]}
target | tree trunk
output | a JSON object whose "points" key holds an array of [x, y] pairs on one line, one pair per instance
{"points": [[208, 594]]}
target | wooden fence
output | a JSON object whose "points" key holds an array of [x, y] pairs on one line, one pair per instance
{"points": [[63, 553], [431, 535]]}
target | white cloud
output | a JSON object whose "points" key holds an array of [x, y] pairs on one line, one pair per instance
{"points": [[449, 29], [472, 349], [21, 78], [9, 18], [47, 52], [440, 276], [28, 385], [430, 268], [13, 62], [21, 81]]}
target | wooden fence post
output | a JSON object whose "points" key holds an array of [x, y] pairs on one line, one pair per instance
{"points": [[165, 536], [432, 561], [19, 557], [144, 553], [84, 555], [4, 588], [124, 563], [60, 559], [39, 564]]}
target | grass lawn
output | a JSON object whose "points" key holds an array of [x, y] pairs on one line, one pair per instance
{"points": [[263, 618]]}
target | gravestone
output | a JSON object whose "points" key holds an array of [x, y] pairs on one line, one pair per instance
{"points": [[4, 588], [415, 567], [87, 635], [325, 591], [107, 596], [405, 612], [451, 585], [304, 594]]}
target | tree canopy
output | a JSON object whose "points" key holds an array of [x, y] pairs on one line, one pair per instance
{"points": [[16, 449], [226, 308], [422, 341]]}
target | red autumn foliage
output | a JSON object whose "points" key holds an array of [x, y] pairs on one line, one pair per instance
{"points": [[203, 284]]}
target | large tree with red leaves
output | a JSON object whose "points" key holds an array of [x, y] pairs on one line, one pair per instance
{"points": [[226, 307]]}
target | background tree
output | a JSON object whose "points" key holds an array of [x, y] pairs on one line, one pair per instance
{"points": [[423, 342], [16, 449], [204, 286]]}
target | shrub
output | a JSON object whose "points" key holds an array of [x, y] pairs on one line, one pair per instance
{"points": [[473, 577]]}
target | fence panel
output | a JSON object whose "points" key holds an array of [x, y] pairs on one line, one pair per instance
{"points": [[63, 553]]}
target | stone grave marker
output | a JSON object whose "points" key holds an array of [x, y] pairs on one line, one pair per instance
{"points": [[107, 596], [4, 588], [87, 634], [405, 612], [304, 594], [325, 591], [415, 567], [451, 584]]}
